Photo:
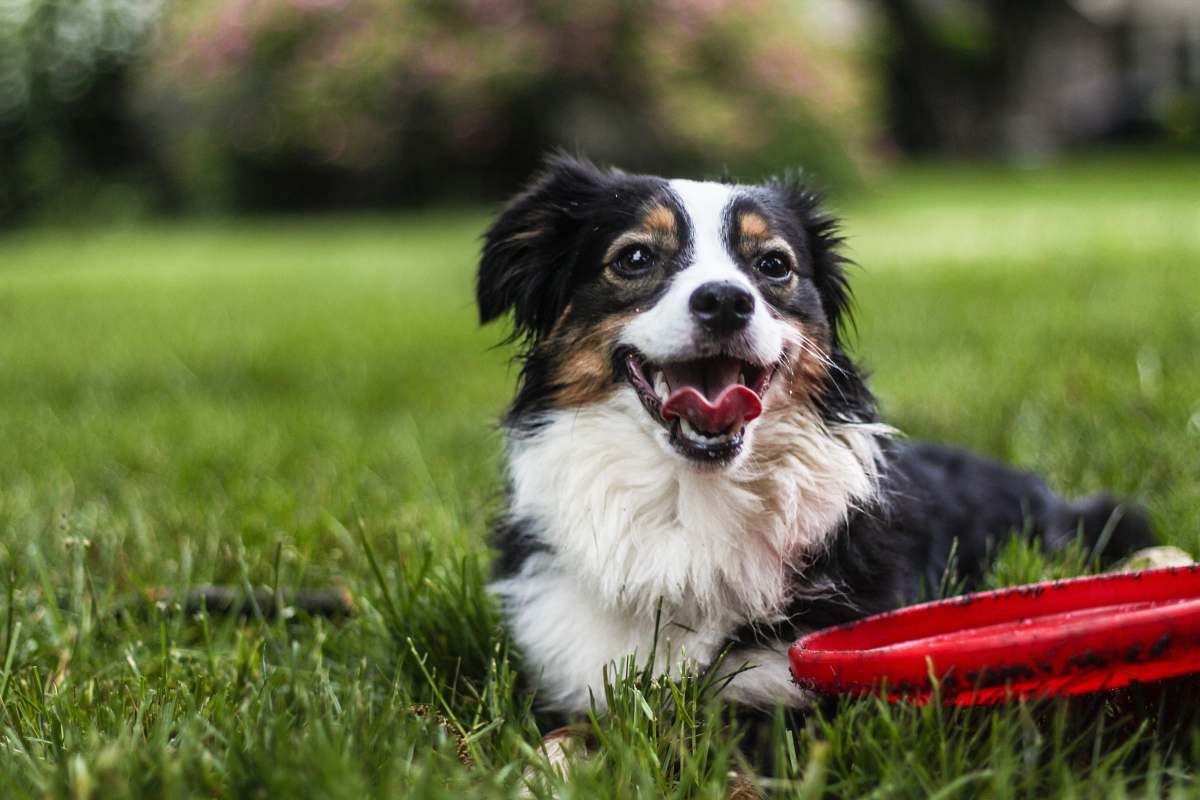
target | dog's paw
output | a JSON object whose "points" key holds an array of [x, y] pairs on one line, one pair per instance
{"points": [[562, 746], [561, 749]]}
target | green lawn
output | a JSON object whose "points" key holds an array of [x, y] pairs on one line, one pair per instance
{"points": [[280, 403]]}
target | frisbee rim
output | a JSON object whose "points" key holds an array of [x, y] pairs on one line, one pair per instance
{"points": [[1047, 648]]}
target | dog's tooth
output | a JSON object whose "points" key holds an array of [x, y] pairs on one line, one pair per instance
{"points": [[692, 432], [660, 385]]}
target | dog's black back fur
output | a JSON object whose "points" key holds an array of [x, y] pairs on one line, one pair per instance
{"points": [[944, 512]]}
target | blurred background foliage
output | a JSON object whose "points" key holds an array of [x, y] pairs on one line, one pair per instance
{"points": [[318, 102], [112, 108]]}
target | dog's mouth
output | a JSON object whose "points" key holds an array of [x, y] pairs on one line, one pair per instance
{"points": [[705, 403]]}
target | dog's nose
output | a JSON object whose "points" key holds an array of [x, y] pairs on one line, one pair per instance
{"points": [[722, 307]]}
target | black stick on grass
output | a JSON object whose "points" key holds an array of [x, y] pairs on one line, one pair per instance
{"points": [[227, 601]]}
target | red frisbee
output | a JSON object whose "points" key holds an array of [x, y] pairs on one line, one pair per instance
{"points": [[1044, 639]]}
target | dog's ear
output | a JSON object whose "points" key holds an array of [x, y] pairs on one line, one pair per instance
{"points": [[823, 231], [529, 252]]}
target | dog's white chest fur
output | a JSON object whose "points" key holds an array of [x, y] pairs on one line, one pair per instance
{"points": [[628, 525]]}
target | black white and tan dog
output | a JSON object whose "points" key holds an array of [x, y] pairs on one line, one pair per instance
{"points": [[689, 430]]}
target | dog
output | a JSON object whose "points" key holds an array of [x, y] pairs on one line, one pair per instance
{"points": [[696, 468]]}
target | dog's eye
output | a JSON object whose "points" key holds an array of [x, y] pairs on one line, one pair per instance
{"points": [[774, 266], [634, 261]]}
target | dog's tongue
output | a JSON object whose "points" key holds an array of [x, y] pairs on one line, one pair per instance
{"points": [[708, 395]]}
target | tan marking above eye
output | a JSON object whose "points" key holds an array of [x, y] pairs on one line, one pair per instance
{"points": [[753, 225], [656, 231], [660, 221]]}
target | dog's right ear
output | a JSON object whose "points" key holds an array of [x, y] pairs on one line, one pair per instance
{"points": [[529, 252]]}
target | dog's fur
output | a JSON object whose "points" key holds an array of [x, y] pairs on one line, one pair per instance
{"points": [[744, 538]]}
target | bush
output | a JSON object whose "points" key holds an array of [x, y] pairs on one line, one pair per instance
{"points": [[68, 143], [307, 103], [114, 107]]}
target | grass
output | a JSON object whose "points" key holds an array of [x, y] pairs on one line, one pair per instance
{"points": [[309, 403]]}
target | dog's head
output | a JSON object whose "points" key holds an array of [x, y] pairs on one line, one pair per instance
{"points": [[711, 302]]}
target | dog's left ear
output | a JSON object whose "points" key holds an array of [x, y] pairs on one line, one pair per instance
{"points": [[823, 232], [529, 252]]}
